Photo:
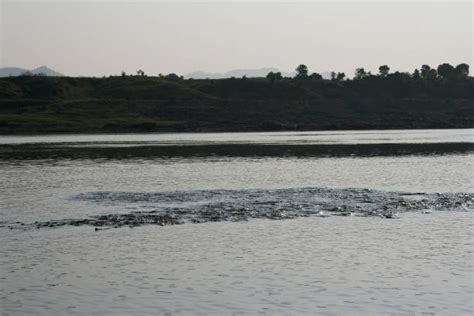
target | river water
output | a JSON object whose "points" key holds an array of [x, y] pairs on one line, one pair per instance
{"points": [[356, 222]]}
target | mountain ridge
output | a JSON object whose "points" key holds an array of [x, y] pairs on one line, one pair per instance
{"points": [[17, 71], [249, 73]]}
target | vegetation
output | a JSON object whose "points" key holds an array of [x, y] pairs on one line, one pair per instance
{"points": [[427, 98]]}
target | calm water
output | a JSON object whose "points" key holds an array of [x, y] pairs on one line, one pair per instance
{"points": [[420, 262]]}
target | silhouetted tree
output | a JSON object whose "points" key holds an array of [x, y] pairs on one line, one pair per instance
{"points": [[124, 74], [333, 76], [400, 77], [301, 71], [172, 76], [360, 74], [140, 73], [424, 71], [462, 70], [446, 71], [273, 76], [383, 71], [432, 75], [315, 76], [340, 76], [416, 75]]}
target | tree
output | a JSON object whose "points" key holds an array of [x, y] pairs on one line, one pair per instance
{"points": [[383, 71], [446, 71], [124, 74], [315, 76], [140, 73], [360, 74], [273, 76], [432, 75], [462, 70], [398, 78], [333, 76], [340, 76], [172, 76], [425, 69], [301, 71], [416, 74]]}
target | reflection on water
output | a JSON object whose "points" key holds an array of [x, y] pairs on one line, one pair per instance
{"points": [[418, 263]]}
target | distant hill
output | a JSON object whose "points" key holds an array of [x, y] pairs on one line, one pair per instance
{"points": [[11, 71], [249, 73], [16, 71], [236, 73]]}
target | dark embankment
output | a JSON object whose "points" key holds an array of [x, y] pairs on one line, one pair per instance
{"points": [[36, 104]]}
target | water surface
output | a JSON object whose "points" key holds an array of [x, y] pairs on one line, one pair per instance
{"points": [[316, 262]]}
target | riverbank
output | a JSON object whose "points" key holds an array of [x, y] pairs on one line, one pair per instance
{"points": [[159, 104]]}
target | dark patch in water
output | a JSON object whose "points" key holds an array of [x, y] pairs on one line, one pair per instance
{"points": [[126, 151], [171, 208]]}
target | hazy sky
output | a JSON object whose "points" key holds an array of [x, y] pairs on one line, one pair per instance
{"points": [[105, 37]]}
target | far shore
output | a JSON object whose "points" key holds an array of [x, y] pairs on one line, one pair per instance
{"points": [[169, 104]]}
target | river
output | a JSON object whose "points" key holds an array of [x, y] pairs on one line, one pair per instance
{"points": [[353, 222]]}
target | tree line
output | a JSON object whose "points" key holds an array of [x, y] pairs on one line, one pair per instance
{"points": [[444, 72]]}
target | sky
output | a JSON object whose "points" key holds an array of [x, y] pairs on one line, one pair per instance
{"points": [[105, 37]]}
